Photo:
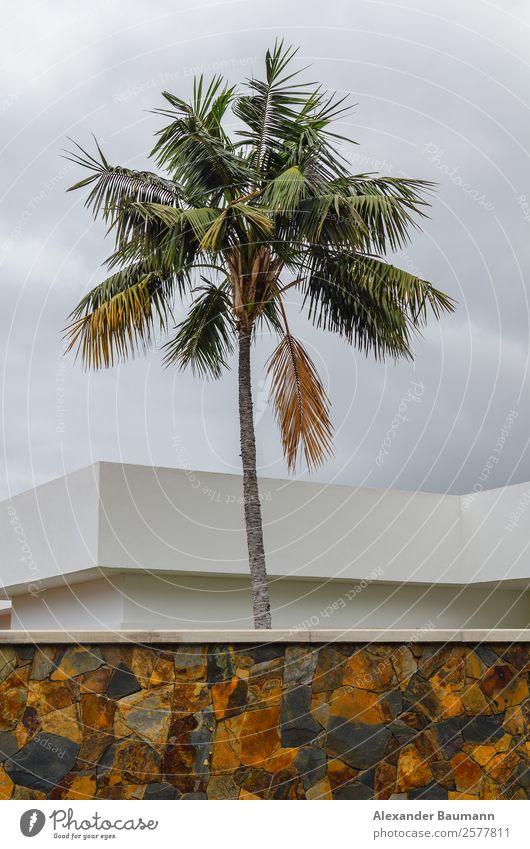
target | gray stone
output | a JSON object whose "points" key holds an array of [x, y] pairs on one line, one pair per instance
{"points": [[487, 655], [299, 666], [448, 736], [221, 663], [76, 660], [8, 745], [353, 790], [43, 664], [122, 683], [160, 790], [43, 762], [393, 702], [298, 726], [194, 796], [419, 696], [481, 729], [367, 777], [311, 764], [266, 652], [360, 746], [432, 791], [402, 732]]}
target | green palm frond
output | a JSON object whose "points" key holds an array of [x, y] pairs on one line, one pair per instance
{"points": [[194, 147], [205, 338], [373, 304]]}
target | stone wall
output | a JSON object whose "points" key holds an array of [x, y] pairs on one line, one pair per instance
{"points": [[274, 721]]}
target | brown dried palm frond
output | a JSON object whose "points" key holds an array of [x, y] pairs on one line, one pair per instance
{"points": [[300, 403]]}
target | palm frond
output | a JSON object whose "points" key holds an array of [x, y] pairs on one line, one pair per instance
{"points": [[300, 403], [194, 147], [119, 317], [205, 338], [370, 302]]}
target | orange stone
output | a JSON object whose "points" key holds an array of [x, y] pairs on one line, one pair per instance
{"points": [[482, 754], [191, 697], [474, 700], [467, 773], [282, 759], [514, 721], [6, 785], [224, 758], [356, 705], [75, 786], [489, 789], [505, 686], [46, 696], [142, 664], [97, 712], [229, 697], [163, 672], [454, 794], [340, 773], [473, 665], [244, 794], [412, 771], [96, 681], [366, 671], [451, 676], [63, 722], [385, 780], [451, 705], [502, 766], [319, 791], [259, 735]]}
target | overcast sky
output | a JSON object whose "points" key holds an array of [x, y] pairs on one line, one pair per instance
{"points": [[442, 93]]}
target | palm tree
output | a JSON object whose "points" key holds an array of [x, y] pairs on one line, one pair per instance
{"points": [[238, 221]]}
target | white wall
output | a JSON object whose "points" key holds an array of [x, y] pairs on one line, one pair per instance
{"points": [[165, 602], [165, 519], [50, 531], [94, 605]]}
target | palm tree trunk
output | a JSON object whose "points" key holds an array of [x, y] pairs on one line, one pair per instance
{"points": [[253, 522]]}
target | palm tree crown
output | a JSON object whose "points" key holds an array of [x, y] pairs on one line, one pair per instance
{"points": [[239, 220]]}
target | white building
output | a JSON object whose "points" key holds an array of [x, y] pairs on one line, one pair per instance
{"points": [[119, 546]]}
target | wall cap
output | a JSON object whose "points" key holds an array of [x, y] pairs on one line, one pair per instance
{"points": [[353, 635]]}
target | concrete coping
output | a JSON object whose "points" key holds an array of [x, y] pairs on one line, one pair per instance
{"points": [[353, 635]]}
